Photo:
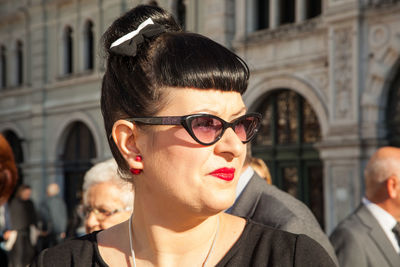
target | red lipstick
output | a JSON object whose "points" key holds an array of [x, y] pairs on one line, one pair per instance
{"points": [[226, 174]]}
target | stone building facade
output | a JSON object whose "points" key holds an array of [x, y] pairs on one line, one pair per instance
{"points": [[325, 74]]}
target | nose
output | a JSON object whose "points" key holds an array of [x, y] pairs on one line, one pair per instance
{"points": [[91, 223], [230, 144]]}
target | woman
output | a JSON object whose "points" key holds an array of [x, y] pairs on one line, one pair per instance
{"points": [[8, 171], [107, 199], [172, 107]]}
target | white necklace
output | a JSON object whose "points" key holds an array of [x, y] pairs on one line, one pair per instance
{"points": [[206, 259]]}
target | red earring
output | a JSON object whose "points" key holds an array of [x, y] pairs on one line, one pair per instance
{"points": [[136, 171]]}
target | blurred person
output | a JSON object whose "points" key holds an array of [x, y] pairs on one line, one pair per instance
{"points": [[8, 180], [54, 216], [107, 199], [265, 203], [8, 171], [23, 218], [368, 236], [259, 166]]}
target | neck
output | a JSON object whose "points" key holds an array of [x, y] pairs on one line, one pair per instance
{"points": [[169, 212], [390, 207], [159, 240]]}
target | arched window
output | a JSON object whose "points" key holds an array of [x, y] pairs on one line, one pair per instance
{"points": [[286, 139], [393, 112], [88, 46], [79, 150], [16, 146], [287, 11], [68, 50], [314, 8], [19, 58], [3, 67], [262, 13], [270, 14], [181, 13]]}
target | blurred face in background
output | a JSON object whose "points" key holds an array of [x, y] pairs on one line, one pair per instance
{"points": [[104, 207], [26, 194]]}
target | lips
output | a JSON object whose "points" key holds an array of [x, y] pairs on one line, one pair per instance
{"points": [[226, 174]]}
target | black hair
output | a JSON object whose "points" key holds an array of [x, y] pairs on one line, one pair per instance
{"points": [[133, 85]]}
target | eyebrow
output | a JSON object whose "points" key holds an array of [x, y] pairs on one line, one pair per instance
{"points": [[213, 112], [240, 111]]}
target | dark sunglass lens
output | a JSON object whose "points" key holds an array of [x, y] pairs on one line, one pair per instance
{"points": [[246, 128], [206, 129]]}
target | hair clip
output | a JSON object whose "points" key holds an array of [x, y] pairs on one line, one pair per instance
{"points": [[127, 44]]}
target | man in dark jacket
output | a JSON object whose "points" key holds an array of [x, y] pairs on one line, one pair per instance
{"points": [[267, 204], [23, 216]]}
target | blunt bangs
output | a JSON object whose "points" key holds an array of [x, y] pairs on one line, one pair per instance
{"points": [[192, 60]]}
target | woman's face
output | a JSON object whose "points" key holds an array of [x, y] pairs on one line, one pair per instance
{"points": [[179, 171], [106, 199]]}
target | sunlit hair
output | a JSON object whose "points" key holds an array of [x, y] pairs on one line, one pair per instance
{"points": [[107, 172], [8, 170], [261, 169], [134, 86], [377, 171]]}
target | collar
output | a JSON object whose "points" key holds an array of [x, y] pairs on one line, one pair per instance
{"points": [[244, 180]]}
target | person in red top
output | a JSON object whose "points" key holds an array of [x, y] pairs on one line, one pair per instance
{"points": [[8, 181]]}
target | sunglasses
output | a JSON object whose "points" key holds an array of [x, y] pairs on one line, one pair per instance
{"points": [[101, 214], [207, 129]]}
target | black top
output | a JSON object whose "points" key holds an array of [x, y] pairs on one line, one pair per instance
{"points": [[258, 245], [22, 214]]}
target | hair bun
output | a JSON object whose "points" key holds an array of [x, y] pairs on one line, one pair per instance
{"points": [[131, 21], [127, 44]]}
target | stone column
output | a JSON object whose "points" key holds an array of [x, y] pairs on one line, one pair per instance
{"points": [[219, 21], [274, 14], [343, 179], [35, 175], [240, 19], [301, 9]]}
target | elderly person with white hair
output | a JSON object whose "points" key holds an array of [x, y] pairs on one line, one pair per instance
{"points": [[107, 198]]}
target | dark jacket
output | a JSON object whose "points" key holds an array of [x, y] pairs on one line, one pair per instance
{"points": [[54, 215], [266, 204]]}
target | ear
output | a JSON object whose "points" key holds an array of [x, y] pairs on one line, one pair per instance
{"points": [[125, 136], [393, 186]]}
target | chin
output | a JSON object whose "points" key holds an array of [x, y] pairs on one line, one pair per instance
{"points": [[220, 203]]}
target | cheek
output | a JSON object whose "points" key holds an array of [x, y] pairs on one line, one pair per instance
{"points": [[170, 148], [242, 158]]}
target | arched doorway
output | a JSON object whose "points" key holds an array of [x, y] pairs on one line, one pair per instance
{"points": [[78, 153], [286, 142], [16, 146], [393, 112]]}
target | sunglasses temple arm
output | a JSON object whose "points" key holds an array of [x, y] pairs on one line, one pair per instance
{"points": [[173, 120]]}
